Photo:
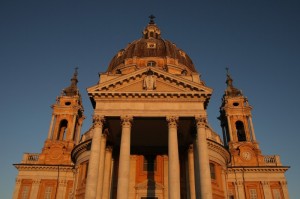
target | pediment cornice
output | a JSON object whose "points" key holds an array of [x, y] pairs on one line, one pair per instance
{"points": [[180, 83]]}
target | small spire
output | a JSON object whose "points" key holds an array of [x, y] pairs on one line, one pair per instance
{"points": [[229, 79], [151, 17], [74, 78], [72, 89], [231, 90]]}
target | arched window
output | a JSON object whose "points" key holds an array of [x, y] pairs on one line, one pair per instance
{"points": [[212, 171], [240, 130], [62, 130]]}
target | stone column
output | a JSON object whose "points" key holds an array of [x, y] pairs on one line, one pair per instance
{"points": [[101, 164], [285, 189], [229, 129], [266, 189], [92, 176], [107, 173], [35, 188], [191, 172], [204, 170], [78, 130], [124, 160], [174, 174], [51, 127], [252, 129], [72, 133]]}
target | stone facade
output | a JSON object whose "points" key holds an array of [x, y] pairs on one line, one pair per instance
{"points": [[150, 138]]}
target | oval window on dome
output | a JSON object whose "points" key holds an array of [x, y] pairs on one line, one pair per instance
{"points": [[151, 63]]}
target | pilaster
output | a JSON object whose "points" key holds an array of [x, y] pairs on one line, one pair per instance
{"points": [[285, 189]]}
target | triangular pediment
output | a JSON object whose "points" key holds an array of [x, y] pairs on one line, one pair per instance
{"points": [[149, 80]]}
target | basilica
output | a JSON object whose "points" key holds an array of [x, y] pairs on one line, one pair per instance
{"points": [[150, 137]]}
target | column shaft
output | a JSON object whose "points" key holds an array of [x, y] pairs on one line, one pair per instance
{"points": [[204, 170], [51, 127], [93, 169], [174, 171], [101, 166], [191, 172], [107, 173], [124, 160], [229, 129], [252, 129]]}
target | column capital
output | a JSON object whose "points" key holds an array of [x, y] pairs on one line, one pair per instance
{"points": [[172, 121], [105, 133], [201, 120], [98, 120], [126, 120]]}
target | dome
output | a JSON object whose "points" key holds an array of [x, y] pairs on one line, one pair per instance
{"points": [[151, 50]]}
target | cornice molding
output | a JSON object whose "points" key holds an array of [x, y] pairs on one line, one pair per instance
{"points": [[80, 148], [44, 167], [262, 169], [214, 146]]}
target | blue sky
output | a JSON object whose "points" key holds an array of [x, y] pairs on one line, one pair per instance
{"points": [[41, 42]]}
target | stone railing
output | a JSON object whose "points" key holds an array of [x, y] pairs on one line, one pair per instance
{"points": [[30, 158], [272, 160]]}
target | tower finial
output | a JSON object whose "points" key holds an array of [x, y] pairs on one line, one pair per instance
{"points": [[228, 80], [227, 71], [231, 90], [151, 17], [72, 89]]}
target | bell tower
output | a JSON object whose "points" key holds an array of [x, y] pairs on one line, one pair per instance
{"points": [[66, 122], [236, 122]]}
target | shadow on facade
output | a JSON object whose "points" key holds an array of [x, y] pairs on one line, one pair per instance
{"points": [[150, 166]]}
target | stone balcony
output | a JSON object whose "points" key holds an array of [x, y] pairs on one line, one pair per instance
{"points": [[30, 158]]}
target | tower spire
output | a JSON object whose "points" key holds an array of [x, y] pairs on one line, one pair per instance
{"points": [[72, 90], [231, 90]]}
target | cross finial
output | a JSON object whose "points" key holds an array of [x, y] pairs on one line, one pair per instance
{"points": [[227, 70], [151, 17]]}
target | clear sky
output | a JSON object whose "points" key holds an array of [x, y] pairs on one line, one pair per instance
{"points": [[41, 42]]}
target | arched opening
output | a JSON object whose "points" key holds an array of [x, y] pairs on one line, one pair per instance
{"points": [[62, 130], [240, 130]]}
